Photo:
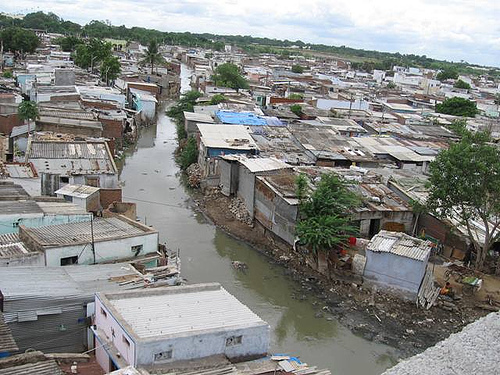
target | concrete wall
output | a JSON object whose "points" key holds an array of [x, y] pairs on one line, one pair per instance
{"points": [[274, 213], [106, 180], [114, 333], [105, 250], [254, 342], [34, 260], [246, 188], [394, 271]]}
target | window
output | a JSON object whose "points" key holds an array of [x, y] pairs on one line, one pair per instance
{"points": [[124, 339], [68, 198], [163, 356], [92, 181], [104, 313], [136, 249], [69, 261], [65, 180], [233, 340]]}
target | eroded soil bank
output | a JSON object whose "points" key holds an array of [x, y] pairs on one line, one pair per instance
{"points": [[373, 315]]}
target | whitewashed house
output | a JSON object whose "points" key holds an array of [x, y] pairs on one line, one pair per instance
{"points": [[97, 241], [164, 325]]}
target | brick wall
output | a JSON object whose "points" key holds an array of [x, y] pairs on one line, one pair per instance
{"points": [[7, 122], [108, 196]]}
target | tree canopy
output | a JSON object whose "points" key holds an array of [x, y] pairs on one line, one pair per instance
{"points": [[152, 55], [110, 69], [229, 75], [465, 185], [68, 43], [461, 85], [458, 107], [324, 213], [27, 110], [297, 109], [92, 53], [445, 74], [184, 104], [17, 39], [297, 68]]}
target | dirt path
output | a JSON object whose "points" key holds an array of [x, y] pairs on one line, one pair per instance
{"points": [[371, 314]]}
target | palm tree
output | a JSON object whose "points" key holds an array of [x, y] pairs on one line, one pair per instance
{"points": [[152, 55], [27, 110]]}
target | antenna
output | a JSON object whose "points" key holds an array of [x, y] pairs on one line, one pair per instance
{"points": [[92, 236]]}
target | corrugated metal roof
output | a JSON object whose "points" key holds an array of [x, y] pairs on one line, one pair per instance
{"points": [[235, 137], [175, 311], [7, 342], [68, 150], [199, 117], [400, 244], [9, 238], [19, 208], [38, 368], [105, 229], [78, 191], [62, 208]]}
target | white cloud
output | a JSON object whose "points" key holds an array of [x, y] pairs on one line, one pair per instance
{"points": [[446, 29]]}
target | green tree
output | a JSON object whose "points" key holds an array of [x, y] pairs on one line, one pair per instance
{"points": [[458, 107], [297, 109], [152, 56], [176, 112], [17, 39], [69, 43], [217, 98], [445, 74], [189, 153], [391, 86], [229, 75], [7, 74], [27, 111], [110, 69], [461, 85], [297, 69], [325, 213], [92, 54], [465, 185], [295, 96]]}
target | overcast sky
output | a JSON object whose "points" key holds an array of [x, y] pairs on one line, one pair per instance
{"points": [[445, 29]]}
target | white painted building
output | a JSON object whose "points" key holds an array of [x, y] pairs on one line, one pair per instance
{"points": [[164, 325], [84, 196], [116, 238]]}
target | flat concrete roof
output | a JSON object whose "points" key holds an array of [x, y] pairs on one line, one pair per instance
{"points": [[170, 312]]}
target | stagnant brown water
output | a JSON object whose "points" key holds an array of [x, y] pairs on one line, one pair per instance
{"points": [[151, 178]]}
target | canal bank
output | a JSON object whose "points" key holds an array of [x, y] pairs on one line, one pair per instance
{"points": [[151, 178]]}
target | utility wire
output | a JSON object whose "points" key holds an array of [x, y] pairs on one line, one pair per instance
{"points": [[154, 202]]}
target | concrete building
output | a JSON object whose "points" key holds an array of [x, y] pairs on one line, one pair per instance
{"points": [[13, 253], [164, 325], [192, 119], [87, 197], [17, 208], [219, 140], [397, 261], [49, 308], [238, 173], [76, 162], [116, 238]]}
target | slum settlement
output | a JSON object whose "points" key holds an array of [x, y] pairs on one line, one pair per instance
{"points": [[83, 279]]}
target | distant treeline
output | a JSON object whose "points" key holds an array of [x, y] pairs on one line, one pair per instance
{"points": [[362, 59]]}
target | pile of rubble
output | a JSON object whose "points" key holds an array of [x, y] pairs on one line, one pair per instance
{"points": [[239, 210], [194, 175]]}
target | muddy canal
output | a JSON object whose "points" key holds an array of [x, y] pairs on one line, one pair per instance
{"points": [[151, 178]]}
